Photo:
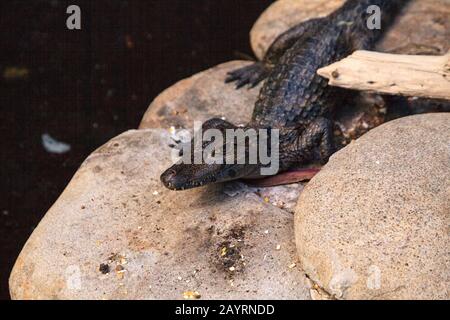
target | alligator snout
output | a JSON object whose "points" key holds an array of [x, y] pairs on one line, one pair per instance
{"points": [[169, 178]]}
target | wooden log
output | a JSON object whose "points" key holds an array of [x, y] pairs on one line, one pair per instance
{"points": [[408, 75]]}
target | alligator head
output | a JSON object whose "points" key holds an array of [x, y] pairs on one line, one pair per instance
{"points": [[190, 174]]}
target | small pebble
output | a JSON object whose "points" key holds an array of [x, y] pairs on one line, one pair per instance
{"points": [[223, 251], [191, 295], [120, 269], [104, 268]]}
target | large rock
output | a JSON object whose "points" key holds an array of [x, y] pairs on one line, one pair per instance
{"points": [[422, 28], [374, 223], [117, 233], [201, 97]]}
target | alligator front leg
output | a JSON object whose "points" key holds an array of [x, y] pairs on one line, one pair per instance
{"points": [[253, 74], [308, 143], [316, 141]]}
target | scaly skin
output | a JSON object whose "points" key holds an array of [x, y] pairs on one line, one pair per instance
{"points": [[294, 99]]}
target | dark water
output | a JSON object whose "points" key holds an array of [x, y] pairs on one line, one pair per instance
{"points": [[84, 87]]}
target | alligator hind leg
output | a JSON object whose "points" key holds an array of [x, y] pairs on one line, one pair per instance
{"points": [[288, 38], [258, 71]]}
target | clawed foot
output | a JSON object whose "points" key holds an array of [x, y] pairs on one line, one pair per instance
{"points": [[250, 75]]}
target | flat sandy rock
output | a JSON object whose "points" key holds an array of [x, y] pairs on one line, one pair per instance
{"points": [[201, 97], [422, 27], [117, 233], [374, 223]]}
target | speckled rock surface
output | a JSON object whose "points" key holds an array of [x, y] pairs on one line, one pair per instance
{"points": [[201, 97], [421, 29], [374, 223], [117, 233]]}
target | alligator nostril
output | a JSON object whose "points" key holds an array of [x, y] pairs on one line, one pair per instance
{"points": [[168, 178], [169, 175]]}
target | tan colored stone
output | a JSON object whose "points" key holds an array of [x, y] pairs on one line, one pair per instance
{"points": [[158, 244], [374, 223], [422, 28], [201, 97]]}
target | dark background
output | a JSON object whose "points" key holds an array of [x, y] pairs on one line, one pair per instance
{"points": [[85, 87]]}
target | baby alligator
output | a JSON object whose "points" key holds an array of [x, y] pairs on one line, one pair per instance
{"points": [[293, 99]]}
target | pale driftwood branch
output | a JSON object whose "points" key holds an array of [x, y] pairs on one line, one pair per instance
{"points": [[409, 75]]}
